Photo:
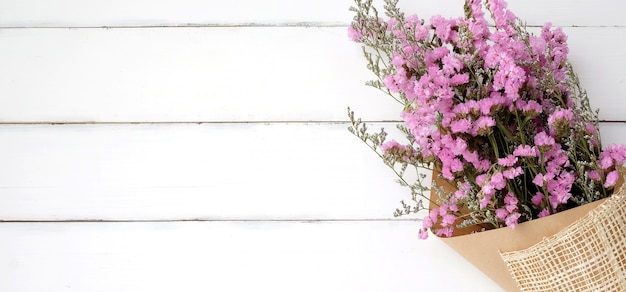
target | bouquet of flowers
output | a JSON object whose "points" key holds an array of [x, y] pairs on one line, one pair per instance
{"points": [[495, 111]]}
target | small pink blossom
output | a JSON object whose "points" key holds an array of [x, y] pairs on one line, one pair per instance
{"points": [[508, 161], [616, 153], [501, 214], [461, 126], [593, 175], [512, 173], [480, 179], [483, 125], [591, 128], [545, 212], [532, 108], [443, 28], [510, 199], [538, 44], [525, 151], [538, 180], [387, 146], [446, 231], [560, 116], [447, 220], [498, 181], [422, 234], [611, 179], [353, 34], [451, 65], [512, 220], [459, 79], [544, 141], [537, 199], [427, 222]]}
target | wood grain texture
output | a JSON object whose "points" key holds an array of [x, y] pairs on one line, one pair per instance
{"points": [[228, 74], [230, 256], [188, 171], [73, 13]]}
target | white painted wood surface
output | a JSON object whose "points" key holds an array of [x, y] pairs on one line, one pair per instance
{"points": [[97, 13], [227, 74], [272, 194]]}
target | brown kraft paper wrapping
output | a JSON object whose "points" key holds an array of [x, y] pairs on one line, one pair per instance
{"points": [[483, 249]]}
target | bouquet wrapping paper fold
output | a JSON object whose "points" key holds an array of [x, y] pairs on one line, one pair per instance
{"points": [[566, 251], [588, 255]]}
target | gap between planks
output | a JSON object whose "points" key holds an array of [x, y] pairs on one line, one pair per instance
{"points": [[244, 25], [209, 220], [192, 25], [222, 122]]}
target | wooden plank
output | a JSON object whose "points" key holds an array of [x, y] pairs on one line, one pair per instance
{"points": [[227, 74], [32, 13], [190, 74], [189, 171], [230, 256], [208, 171]]}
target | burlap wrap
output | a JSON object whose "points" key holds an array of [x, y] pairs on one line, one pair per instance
{"points": [[588, 255]]}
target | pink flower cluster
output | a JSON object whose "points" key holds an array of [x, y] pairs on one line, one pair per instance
{"points": [[494, 111]]}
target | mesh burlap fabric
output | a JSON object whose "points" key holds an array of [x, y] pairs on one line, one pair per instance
{"points": [[589, 255]]}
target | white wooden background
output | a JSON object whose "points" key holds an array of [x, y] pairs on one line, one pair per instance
{"points": [[201, 146]]}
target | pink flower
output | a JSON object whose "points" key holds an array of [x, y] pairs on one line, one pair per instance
{"points": [[615, 152], [447, 231], [538, 44], [487, 195], [462, 109], [480, 179], [422, 234], [452, 65], [483, 125], [525, 151], [611, 179], [447, 220], [560, 116], [427, 222], [353, 34], [488, 189], [501, 214], [593, 175], [498, 181], [544, 141], [532, 108], [559, 188], [387, 146], [434, 214], [605, 161], [538, 180], [591, 128], [512, 220], [458, 146], [459, 79], [502, 16], [459, 194], [507, 161], [510, 199], [512, 173], [487, 104], [461, 126], [537, 199], [443, 28], [544, 213]]}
